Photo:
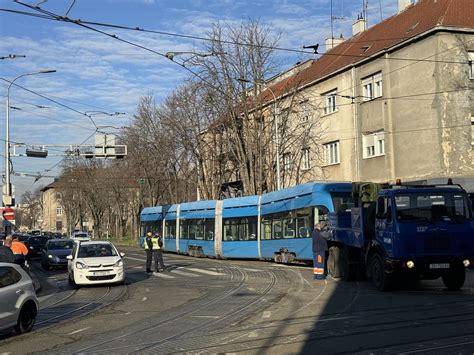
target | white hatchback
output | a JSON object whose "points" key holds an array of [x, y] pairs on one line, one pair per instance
{"points": [[96, 262], [18, 302]]}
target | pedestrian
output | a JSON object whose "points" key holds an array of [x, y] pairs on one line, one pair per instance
{"points": [[157, 253], [20, 250], [148, 245], [6, 254], [320, 247]]}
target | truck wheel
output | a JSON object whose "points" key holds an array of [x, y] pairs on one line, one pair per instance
{"points": [[454, 278], [334, 268], [381, 280]]}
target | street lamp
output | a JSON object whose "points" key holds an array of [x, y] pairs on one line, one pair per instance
{"points": [[276, 119], [7, 190]]}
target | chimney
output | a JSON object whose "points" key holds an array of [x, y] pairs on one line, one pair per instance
{"points": [[403, 4], [360, 25], [333, 42]]}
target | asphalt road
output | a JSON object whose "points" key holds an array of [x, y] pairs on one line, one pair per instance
{"points": [[228, 306]]}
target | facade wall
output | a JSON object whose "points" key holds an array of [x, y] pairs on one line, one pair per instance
{"points": [[424, 112], [50, 208]]}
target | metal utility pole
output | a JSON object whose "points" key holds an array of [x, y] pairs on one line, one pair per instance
{"points": [[7, 189]]}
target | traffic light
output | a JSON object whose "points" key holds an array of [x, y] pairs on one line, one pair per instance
{"points": [[36, 153]]}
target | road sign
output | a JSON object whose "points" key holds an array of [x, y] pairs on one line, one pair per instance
{"points": [[8, 214]]}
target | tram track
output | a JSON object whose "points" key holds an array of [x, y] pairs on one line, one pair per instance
{"points": [[196, 317]]}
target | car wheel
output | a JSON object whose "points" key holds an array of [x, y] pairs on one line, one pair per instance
{"points": [[27, 318], [71, 281]]}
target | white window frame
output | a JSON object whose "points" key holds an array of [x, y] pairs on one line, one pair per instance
{"points": [[59, 211], [372, 87], [373, 144], [471, 65], [331, 102], [304, 111], [305, 159], [332, 153], [287, 162]]}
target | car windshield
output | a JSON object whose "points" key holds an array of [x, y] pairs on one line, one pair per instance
{"points": [[96, 250], [63, 244], [432, 207], [80, 235], [342, 201]]}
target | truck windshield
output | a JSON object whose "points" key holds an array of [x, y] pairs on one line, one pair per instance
{"points": [[342, 201], [432, 207]]}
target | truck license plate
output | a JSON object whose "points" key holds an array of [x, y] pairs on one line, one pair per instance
{"points": [[439, 266]]}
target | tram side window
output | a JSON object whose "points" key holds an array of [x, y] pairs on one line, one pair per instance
{"points": [[209, 229], [288, 228], [240, 229], [303, 222], [183, 230], [266, 229], [277, 230], [170, 232]]}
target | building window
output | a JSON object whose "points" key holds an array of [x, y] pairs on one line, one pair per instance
{"points": [[287, 161], [372, 87], [59, 211], [331, 153], [58, 195], [305, 162], [304, 106], [471, 65], [374, 144], [331, 105]]}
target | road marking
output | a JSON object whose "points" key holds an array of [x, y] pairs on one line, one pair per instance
{"points": [[129, 257], [267, 314], [252, 270], [209, 272], [78, 331], [162, 275], [179, 272], [253, 334]]}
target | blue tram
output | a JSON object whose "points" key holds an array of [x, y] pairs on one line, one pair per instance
{"points": [[274, 226]]}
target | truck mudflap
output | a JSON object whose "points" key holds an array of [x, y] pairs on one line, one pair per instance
{"points": [[284, 256]]}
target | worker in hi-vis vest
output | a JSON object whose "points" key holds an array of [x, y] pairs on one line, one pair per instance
{"points": [[157, 242], [148, 245]]}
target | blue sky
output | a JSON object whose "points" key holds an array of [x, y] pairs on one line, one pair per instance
{"points": [[96, 73]]}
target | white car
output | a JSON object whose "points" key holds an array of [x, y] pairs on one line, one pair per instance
{"points": [[79, 235], [95, 262], [18, 302]]}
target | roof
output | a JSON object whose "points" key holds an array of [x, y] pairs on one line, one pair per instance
{"points": [[401, 28]]}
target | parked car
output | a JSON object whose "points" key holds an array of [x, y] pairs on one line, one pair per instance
{"points": [[80, 235], [35, 245], [18, 301], [55, 252], [95, 262]]}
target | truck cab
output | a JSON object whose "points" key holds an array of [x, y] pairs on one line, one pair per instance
{"points": [[424, 232], [405, 231]]}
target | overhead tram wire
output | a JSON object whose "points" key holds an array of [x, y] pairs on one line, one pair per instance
{"points": [[113, 36], [51, 16]]}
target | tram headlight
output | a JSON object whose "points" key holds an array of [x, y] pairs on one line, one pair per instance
{"points": [[466, 263], [410, 264]]}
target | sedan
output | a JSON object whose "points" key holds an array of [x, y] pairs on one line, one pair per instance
{"points": [[36, 245], [95, 263], [18, 302], [55, 252]]}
